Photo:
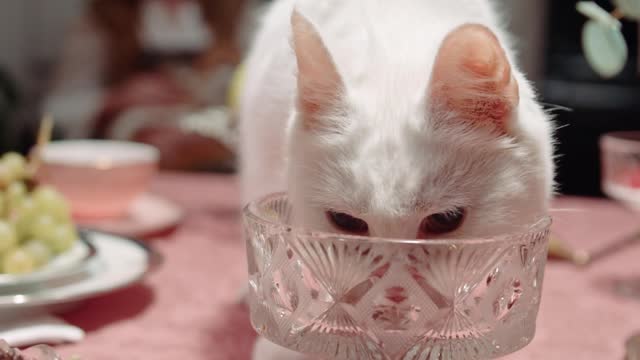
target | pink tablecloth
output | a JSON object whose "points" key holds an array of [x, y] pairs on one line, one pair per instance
{"points": [[185, 310]]}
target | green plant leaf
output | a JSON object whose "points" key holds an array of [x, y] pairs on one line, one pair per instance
{"points": [[594, 12], [604, 48], [630, 8]]}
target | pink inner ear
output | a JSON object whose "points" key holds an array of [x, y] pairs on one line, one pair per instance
{"points": [[319, 83], [472, 77]]}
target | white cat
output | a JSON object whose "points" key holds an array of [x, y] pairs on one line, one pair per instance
{"points": [[404, 118]]}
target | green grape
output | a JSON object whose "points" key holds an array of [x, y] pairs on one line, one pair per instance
{"points": [[8, 237], [15, 193], [5, 175], [24, 216], [18, 261], [16, 165], [3, 204], [39, 251], [51, 202], [61, 238], [42, 226]]}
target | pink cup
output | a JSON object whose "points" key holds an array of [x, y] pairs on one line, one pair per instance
{"points": [[99, 178]]}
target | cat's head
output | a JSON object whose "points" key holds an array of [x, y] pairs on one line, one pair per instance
{"points": [[453, 160]]}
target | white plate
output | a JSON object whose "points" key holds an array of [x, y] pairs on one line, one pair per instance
{"points": [[67, 264], [120, 262]]}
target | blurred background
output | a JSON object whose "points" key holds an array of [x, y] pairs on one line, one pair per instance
{"points": [[162, 72]]}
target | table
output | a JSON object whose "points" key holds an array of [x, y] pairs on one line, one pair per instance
{"points": [[186, 309]]}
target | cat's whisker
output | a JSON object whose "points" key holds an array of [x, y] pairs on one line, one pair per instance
{"points": [[555, 107]]}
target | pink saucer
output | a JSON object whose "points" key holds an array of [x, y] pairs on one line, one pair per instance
{"points": [[149, 215]]}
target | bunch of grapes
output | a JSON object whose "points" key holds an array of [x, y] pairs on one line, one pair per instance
{"points": [[35, 221]]}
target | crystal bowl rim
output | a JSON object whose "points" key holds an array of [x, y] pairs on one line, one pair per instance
{"points": [[250, 212]]}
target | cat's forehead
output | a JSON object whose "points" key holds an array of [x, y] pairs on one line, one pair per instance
{"points": [[406, 169], [399, 174]]}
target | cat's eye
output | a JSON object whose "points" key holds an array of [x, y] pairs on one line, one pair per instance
{"points": [[442, 223], [347, 223]]}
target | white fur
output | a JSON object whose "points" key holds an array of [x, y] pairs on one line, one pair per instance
{"points": [[388, 157]]}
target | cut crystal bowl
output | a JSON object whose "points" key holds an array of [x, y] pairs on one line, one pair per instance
{"points": [[347, 297]]}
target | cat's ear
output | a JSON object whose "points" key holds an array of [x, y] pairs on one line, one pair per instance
{"points": [[472, 78], [319, 83]]}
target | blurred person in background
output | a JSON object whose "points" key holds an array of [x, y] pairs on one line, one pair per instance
{"points": [[155, 71]]}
